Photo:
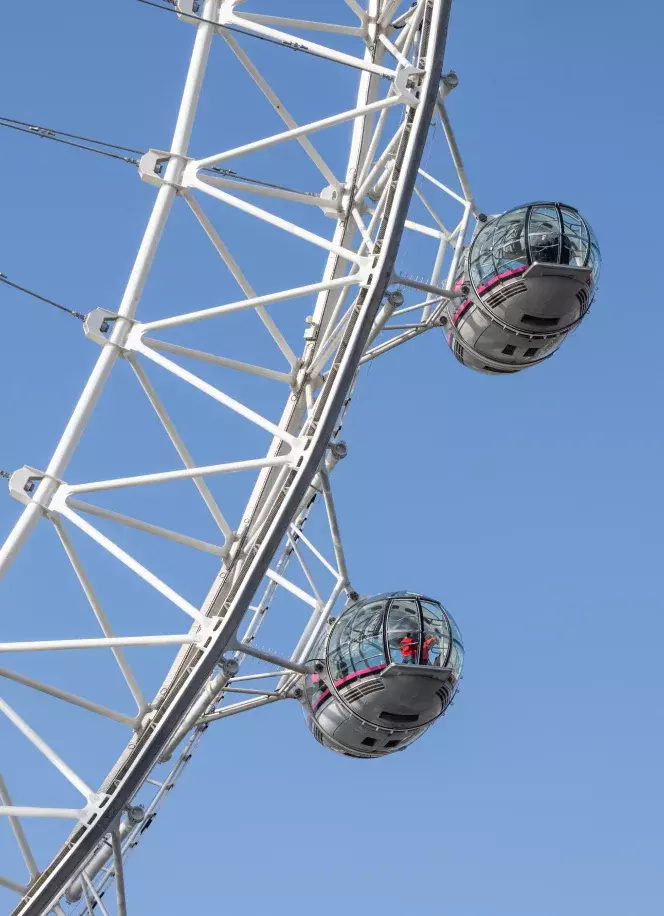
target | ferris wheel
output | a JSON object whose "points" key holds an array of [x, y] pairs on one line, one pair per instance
{"points": [[345, 197]]}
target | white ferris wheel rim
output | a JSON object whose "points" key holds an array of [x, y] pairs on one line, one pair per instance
{"points": [[361, 256]]}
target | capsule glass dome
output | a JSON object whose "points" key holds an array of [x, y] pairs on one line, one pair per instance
{"points": [[530, 275], [537, 233], [386, 669]]}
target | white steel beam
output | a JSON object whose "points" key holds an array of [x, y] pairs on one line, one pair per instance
{"points": [[388, 345], [303, 130], [426, 287], [458, 245], [307, 24], [266, 190], [430, 208], [118, 865], [12, 885], [271, 657], [357, 9], [141, 480], [380, 163], [456, 155], [180, 447], [67, 697], [148, 528], [254, 677], [50, 645], [256, 693], [215, 393], [314, 627], [435, 280], [235, 708], [298, 231], [101, 617], [134, 566], [38, 742], [305, 569], [334, 528], [93, 892], [442, 187], [299, 534], [283, 295], [100, 374], [281, 110], [17, 830], [215, 360], [310, 46], [292, 588], [66, 814], [240, 278]]}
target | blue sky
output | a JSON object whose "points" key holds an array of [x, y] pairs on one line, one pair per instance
{"points": [[530, 505]]}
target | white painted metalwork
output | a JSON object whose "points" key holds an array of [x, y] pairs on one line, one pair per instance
{"points": [[374, 194]]}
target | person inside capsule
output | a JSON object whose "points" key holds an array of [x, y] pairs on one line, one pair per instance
{"points": [[408, 647], [356, 644], [364, 696], [541, 233]]}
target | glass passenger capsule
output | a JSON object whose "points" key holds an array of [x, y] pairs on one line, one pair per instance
{"points": [[531, 275], [384, 671]]}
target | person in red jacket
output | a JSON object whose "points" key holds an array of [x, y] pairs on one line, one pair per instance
{"points": [[426, 648], [408, 647]]}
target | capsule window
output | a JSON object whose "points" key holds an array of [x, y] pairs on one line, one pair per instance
{"points": [[356, 645], [392, 743], [539, 321], [368, 742], [509, 349], [436, 634], [531, 351], [401, 718], [544, 236], [575, 238]]}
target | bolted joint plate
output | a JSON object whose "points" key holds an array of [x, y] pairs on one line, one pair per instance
{"points": [[151, 166], [97, 324], [335, 196], [24, 482], [189, 10], [401, 80], [30, 485]]}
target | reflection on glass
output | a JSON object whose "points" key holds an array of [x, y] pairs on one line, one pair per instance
{"points": [[509, 247], [594, 260], [436, 641], [456, 659], [575, 237], [403, 631], [430, 649], [356, 644], [546, 233]]}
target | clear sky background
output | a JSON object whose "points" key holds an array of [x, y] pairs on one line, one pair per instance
{"points": [[530, 505]]}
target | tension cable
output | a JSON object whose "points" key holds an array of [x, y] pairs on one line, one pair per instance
{"points": [[29, 292]]}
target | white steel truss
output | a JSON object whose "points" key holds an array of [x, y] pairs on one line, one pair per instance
{"points": [[364, 305]]}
